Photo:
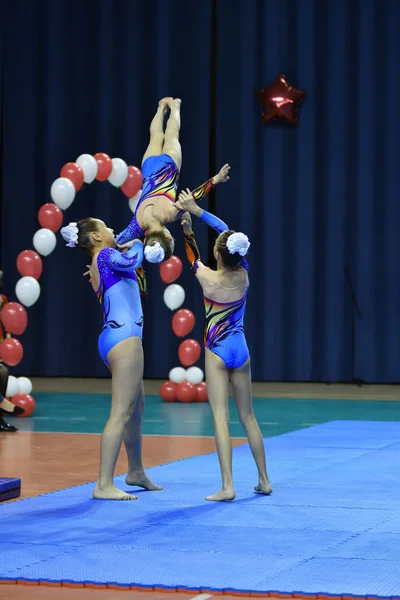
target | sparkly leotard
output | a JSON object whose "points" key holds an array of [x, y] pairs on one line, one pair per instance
{"points": [[224, 322], [160, 184], [119, 295]]}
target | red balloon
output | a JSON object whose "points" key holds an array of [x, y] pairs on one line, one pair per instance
{"points": [[201, 392], [280, 100], [168, 391], [183, 322], [14, 318], [186, 392], [50, 217], [29, 264], [133, 183], [104, 166], [25, 401], [74, 173], [11, 351], [171, 269], [189, 352]]}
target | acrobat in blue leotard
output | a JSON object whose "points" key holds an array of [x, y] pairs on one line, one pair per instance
{"points": [[160, 178], [119, 295], [224, 324]]}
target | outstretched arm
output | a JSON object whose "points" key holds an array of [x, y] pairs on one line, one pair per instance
{"points": [[188, 203], [132, 232], [208, 186], [118, 261], [191, 247]]}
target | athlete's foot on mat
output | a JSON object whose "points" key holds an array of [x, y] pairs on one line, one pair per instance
{"points": [[222, 496], [263, 487], [141, 480], [111, 493]]}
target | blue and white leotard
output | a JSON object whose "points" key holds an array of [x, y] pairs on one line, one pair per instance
{"points": [[119, 295]]}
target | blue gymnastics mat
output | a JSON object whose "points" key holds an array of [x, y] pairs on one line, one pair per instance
{"points": [[331, 527]]}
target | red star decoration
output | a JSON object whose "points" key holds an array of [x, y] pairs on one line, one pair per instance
{"points": [[280, 100]]}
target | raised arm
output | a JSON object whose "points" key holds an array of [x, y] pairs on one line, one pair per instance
{"points": [[118, 261], [188, 203], [208, 186], [132, 232], [219, 226], [191, 247]]}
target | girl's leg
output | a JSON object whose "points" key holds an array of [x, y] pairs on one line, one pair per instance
{"points": [[3, 381], [155, 146], [242, 391], [126, 362], [172, 146], [133, 444], [217, 379]]}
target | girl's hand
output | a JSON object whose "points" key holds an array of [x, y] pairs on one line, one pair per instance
{"points": [[127, 246], [223, 175], [188, 203], [87, 273]]}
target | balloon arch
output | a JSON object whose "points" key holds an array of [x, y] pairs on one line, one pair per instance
{"points": [[185, 385]]}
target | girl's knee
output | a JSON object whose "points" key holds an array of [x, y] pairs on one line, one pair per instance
{"points": [[221, 417], [139, 407], [246, 417], [122, 415]]}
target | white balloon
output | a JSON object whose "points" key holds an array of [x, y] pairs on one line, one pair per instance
{"points": [[62, 192], [44, 241], [89, 166], [174, 296], [24, 385], [119, 172], [134, 200], [27, 290], [194, 375], [177, 375], [12, 387]]}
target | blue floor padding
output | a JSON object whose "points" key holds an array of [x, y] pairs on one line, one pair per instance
{"points": [[332, 525]]}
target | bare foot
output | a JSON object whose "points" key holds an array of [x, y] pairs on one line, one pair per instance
{"points": [[222, 496], [111, 493], [164, 104], [175, 103], [141, 480], [263, 488]]}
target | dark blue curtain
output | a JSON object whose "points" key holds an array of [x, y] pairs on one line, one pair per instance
{"points": [[322, 195], [85, 76]]}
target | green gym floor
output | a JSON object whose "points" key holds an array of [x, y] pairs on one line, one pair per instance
{"points": [[87, 413]]}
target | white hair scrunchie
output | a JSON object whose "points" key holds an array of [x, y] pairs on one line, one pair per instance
{"points": [[238, 242], [70, 234], [154, 253]]}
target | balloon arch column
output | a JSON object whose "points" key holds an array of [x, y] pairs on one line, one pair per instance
{"points": [[13, 315], [184, 385]]}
